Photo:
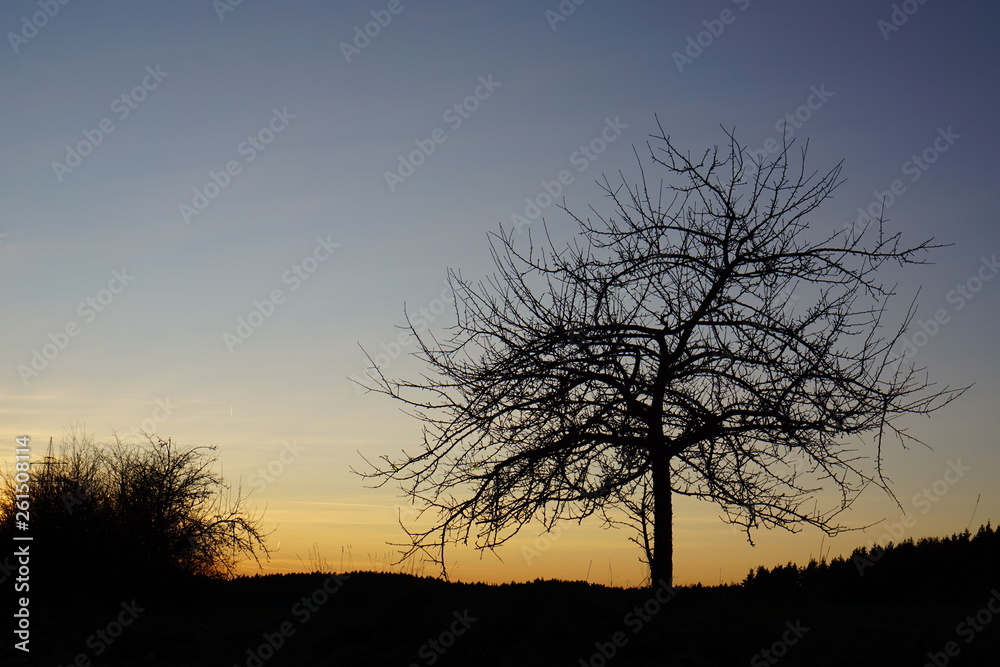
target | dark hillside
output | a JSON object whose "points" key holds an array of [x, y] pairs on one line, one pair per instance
{"points": [[821, 614]]}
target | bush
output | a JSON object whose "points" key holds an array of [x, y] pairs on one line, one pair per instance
{"points": [[124, 514]]}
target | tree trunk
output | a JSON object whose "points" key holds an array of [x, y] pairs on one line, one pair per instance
{"points": [[661, 565]]}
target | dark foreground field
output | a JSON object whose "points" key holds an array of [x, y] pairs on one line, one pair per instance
{"points": [[388, 619]]}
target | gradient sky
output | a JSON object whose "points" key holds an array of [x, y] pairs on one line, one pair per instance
{"points": [[154, 350]]}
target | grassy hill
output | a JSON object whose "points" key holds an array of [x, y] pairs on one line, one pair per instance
{"points": [[903, 610]]}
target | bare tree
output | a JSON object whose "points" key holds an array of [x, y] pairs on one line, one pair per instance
{"points": [[659, 355]]}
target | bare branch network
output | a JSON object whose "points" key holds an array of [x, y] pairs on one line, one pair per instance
{"points": [[158, 508], [659, 355]]}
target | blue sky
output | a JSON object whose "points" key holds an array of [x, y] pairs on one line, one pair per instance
{"points": [[312, 217]]}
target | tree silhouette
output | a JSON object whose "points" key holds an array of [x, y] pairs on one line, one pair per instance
{"points": [[660, 354], [949, 568], [129, 514]]}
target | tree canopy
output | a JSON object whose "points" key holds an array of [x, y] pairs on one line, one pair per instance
{"points": [[660, 354]]}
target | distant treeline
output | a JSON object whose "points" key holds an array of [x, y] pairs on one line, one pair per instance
{"points": [[943, 568]]}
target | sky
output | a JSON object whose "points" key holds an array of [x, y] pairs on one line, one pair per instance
{"points": [[211, 210]]}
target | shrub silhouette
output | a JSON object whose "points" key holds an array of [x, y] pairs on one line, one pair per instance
{"points": [[130, 516]]}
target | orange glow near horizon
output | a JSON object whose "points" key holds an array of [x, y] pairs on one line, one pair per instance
{"points": [[316, 509], [706, 550]]}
